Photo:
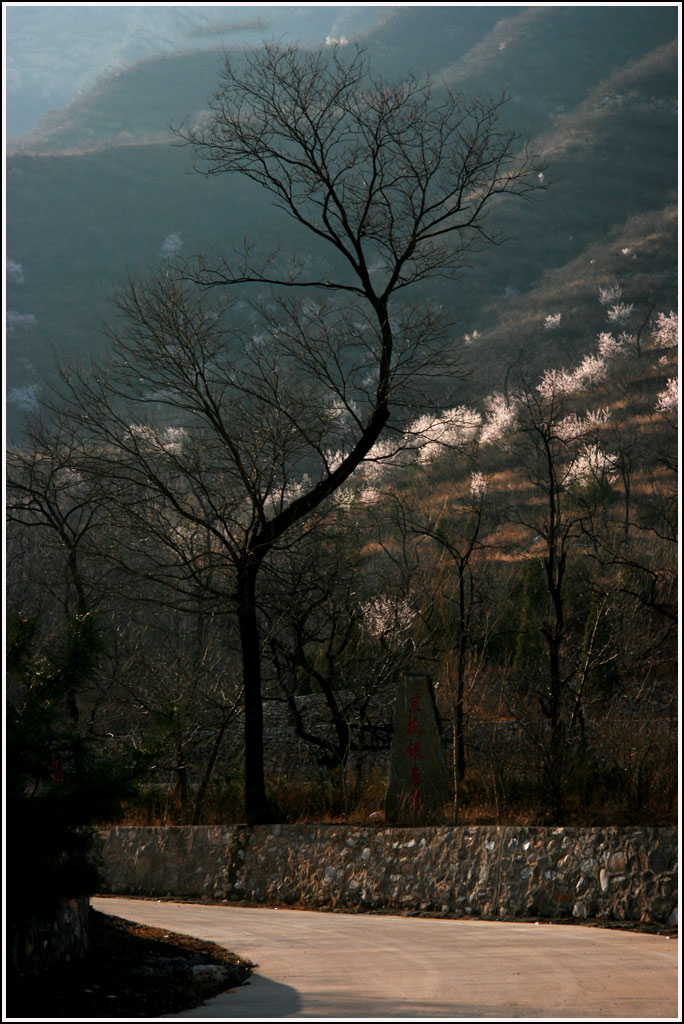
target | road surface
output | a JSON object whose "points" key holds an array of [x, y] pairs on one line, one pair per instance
{"points": [[318, 965]]}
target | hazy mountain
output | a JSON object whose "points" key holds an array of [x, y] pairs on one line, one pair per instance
{"points": [[99, 188], [56, 53]]}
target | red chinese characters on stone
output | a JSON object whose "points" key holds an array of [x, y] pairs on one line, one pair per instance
{"points": [[413, 751]]}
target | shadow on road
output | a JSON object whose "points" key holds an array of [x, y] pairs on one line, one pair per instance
{"points": [[258, 998]]}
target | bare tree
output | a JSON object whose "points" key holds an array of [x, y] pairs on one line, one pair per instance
{"points": [[224, 439], [47, 495], [457, 533]]}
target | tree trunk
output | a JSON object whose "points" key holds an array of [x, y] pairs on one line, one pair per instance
{"points": [[256, 804], [462, 644], [208, 771]]}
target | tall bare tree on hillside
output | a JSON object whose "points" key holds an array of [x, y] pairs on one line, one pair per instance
{"points": [[271, 419]]}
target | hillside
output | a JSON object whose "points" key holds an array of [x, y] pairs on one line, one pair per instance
{"points": [[99, 189]]}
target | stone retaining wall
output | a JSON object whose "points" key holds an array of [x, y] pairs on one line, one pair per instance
{"points": [[484, 871]]}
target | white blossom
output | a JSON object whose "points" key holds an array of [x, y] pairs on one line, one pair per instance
{"points": [[478, 485], [25, 397], [344, 497], [383, 455], [591, 371], [501, 416], [171, 245], [597, 417], [555, 382], [385, 617], [470, 338], [431, 434], [334, 459], [569, 428], [620, 312], [666, 334], [573, 427], [14, 271], [609, 346], [611, 293], [14, 319], [369, 496], [592, 463], [668, 400], [552, 321]]}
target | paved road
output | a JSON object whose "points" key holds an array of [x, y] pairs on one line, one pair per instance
{"points": [[317, 965]]}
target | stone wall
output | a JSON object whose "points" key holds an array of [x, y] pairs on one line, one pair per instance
{"points": [[483, 871]]}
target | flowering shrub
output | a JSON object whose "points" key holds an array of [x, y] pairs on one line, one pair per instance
{"points": [[621, 312], [590, 372], [501, 416], [609, 346], [592, 465], [569, 428], [171, 245], [25, 397], [668, 399], [369, 496], [597, 417], [432, 434], [666, 334], [14, 319], [384, 452], [611, 293], [478, 485], [387, 617], [552, 321], [14, 272]]}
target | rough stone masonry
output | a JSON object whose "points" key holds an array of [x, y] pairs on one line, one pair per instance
{"points": [[626, 874]]}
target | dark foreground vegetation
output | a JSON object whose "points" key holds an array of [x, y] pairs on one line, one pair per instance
{"points": [[130, 971]]}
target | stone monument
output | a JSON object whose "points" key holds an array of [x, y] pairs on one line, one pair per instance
{"points": [[417, 785]]}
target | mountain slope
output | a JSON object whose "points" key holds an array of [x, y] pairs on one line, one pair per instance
{"points": [[595, 89]]}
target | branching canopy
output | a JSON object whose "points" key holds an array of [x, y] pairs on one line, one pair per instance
{"points": [[401, 183]]}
